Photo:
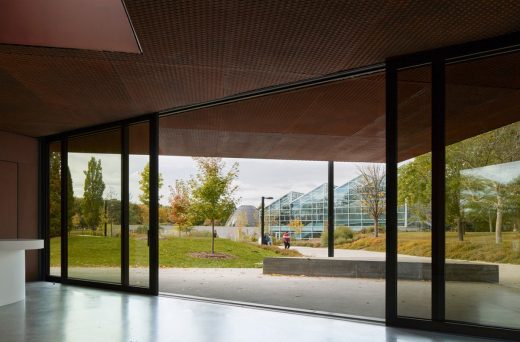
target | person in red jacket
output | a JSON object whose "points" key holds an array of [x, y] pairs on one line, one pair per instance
{"points": [[286, 240]]}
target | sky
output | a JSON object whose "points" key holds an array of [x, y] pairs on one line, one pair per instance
{"points": [[257, 177]]}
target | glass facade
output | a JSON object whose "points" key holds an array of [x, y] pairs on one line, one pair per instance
{"points": [[305, 215]]}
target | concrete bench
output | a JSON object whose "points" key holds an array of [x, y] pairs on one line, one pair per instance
{"points": [[375, 269]]}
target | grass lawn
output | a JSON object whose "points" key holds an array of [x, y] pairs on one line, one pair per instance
{"points": [[90, 251], [479, 246]]}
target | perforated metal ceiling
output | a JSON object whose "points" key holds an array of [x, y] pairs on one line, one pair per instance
{"points": [[195, 51]]}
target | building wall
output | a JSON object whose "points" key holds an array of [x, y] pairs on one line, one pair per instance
{"points": [[19, 193]]}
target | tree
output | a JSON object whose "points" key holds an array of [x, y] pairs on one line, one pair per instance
{"points": [[213, 192], [180, 203], [297, 226], [144, 196], [466, 197], [414, 187], [55, 196], [499, 146], [372, 190], [144, 185], [93, 193]]}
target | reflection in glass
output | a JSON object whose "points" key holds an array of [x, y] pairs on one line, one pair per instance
{"points": [[138, 206], [94, 251], [55, 208], [414, 193], [483, 192]]}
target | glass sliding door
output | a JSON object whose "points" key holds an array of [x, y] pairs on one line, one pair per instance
{"points": [[94, 230], [139, 204], [100, 227], [453, 148], [414, 236], [54, 207], [482, 221]]}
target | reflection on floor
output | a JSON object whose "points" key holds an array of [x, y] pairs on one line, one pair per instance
{"points": [[482, 303], [67, 313]]}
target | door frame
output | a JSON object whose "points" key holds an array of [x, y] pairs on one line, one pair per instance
{"points": [[437, 59], [62, 138]]}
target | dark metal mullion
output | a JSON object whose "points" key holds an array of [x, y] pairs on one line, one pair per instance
{"points": [[391, 194], [330, 209], [43, 209], [154, 205], [438, 189], [125, 255], [64, 210]]}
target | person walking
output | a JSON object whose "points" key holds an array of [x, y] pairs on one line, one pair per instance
{"points": [[286, 240]]}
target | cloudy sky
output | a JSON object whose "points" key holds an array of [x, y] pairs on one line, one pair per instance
{"points": [[257, 177]]}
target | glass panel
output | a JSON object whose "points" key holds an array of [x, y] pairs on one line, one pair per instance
{"points": [[414, 192], [55, 207], [94, 237], [282, 145], [483, 191], [139, 160]]}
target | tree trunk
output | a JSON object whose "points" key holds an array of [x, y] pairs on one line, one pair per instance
{"points": [[460, 231], [212, 236], [498, 227], [376, 227]]}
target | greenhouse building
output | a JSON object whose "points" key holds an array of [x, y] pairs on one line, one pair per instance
{"points": [[305, 215]]}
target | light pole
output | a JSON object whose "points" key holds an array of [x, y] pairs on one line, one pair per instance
{"points": [[262, 220]]}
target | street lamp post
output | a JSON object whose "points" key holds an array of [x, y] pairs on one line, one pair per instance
{"points": [[262, 220]]}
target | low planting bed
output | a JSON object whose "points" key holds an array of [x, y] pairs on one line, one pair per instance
{"points": [[375, 269]]}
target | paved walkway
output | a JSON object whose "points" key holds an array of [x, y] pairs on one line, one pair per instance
{"points": [[509, 274]]}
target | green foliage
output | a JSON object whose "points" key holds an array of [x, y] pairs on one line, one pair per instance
{"points": [[180, 203], [212, 191], [414, 188], [93, 193], [55, 196], [134, 212], [144, 184], [342, 234]]}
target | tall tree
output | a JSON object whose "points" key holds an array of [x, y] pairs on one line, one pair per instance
{"points": [[144, 184], [144, 196], [372, 190], [213, 192], [55, 196], [180, 203], [93, 193]]}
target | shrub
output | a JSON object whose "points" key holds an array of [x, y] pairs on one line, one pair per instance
{"points": [[370, 230], [283, 252], [342, 234]]}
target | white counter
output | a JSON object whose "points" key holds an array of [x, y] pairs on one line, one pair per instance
{"points": [[12, 268]]}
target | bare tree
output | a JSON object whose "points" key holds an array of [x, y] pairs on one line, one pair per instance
{"points": [[371, 188]]}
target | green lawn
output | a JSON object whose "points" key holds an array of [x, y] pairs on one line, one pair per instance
{"points": [[479, 246], [92, 251]]}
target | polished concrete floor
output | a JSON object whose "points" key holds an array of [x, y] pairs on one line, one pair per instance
{"points": [[67, 313], [481, 303]]}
